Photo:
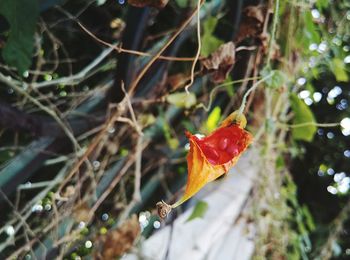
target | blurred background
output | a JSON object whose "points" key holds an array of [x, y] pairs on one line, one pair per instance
{"points": [[95, 99]]}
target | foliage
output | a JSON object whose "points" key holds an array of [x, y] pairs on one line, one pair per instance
{"points": [[303, 120], [209, 40], [90, 155], [276, 80], [182, 99], [198, 210], [22, 17], [213, 119], [338, 68]]}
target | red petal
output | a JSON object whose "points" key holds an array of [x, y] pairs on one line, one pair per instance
{"points": [[224, 144], [213, 156]]}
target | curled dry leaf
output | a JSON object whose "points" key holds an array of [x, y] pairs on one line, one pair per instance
{"points": [[119, 241], [212, 156], [220, 62], [252, 22], [153, 3]]}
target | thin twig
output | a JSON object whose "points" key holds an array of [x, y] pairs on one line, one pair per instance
{"points": [[214, 90], [114, 182], [133, 52], [76, 78], [137, 183], [273, 33], [246, 48], [252, 88], [155, 57], [199, 3], [19, 216], [94, 143], [335, 232], [310, 124], [42, 107]]}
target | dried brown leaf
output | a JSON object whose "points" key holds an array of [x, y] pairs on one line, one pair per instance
{"points": [[119, 241], [82, 213], [69, 191], [256, 12], [153, 3], [252, 22], [220, 62], [176, 81]]}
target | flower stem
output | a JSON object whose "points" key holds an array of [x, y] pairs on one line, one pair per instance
{"points": [[250, 90]]}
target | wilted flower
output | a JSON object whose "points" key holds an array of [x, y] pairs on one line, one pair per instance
{"points": [[214, 155]]}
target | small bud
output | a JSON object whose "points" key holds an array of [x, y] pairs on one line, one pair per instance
{"points": [[163, 209]]}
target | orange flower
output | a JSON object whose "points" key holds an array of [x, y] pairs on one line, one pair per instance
{"points": [[212, 156]]}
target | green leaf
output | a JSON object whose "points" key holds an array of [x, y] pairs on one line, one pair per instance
{"points": [[182, 3], [22, 17], [277, 79], [323, 168], [213, 119], [229, 88], [338, 68], [310, 87], [308, 218], [302, 115], [182, 99], [173, 142], [198, 211], [189, 125], [322, 4], [280, 164], [123, 152], [146, 120], [311, 30], [209, 42]]}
